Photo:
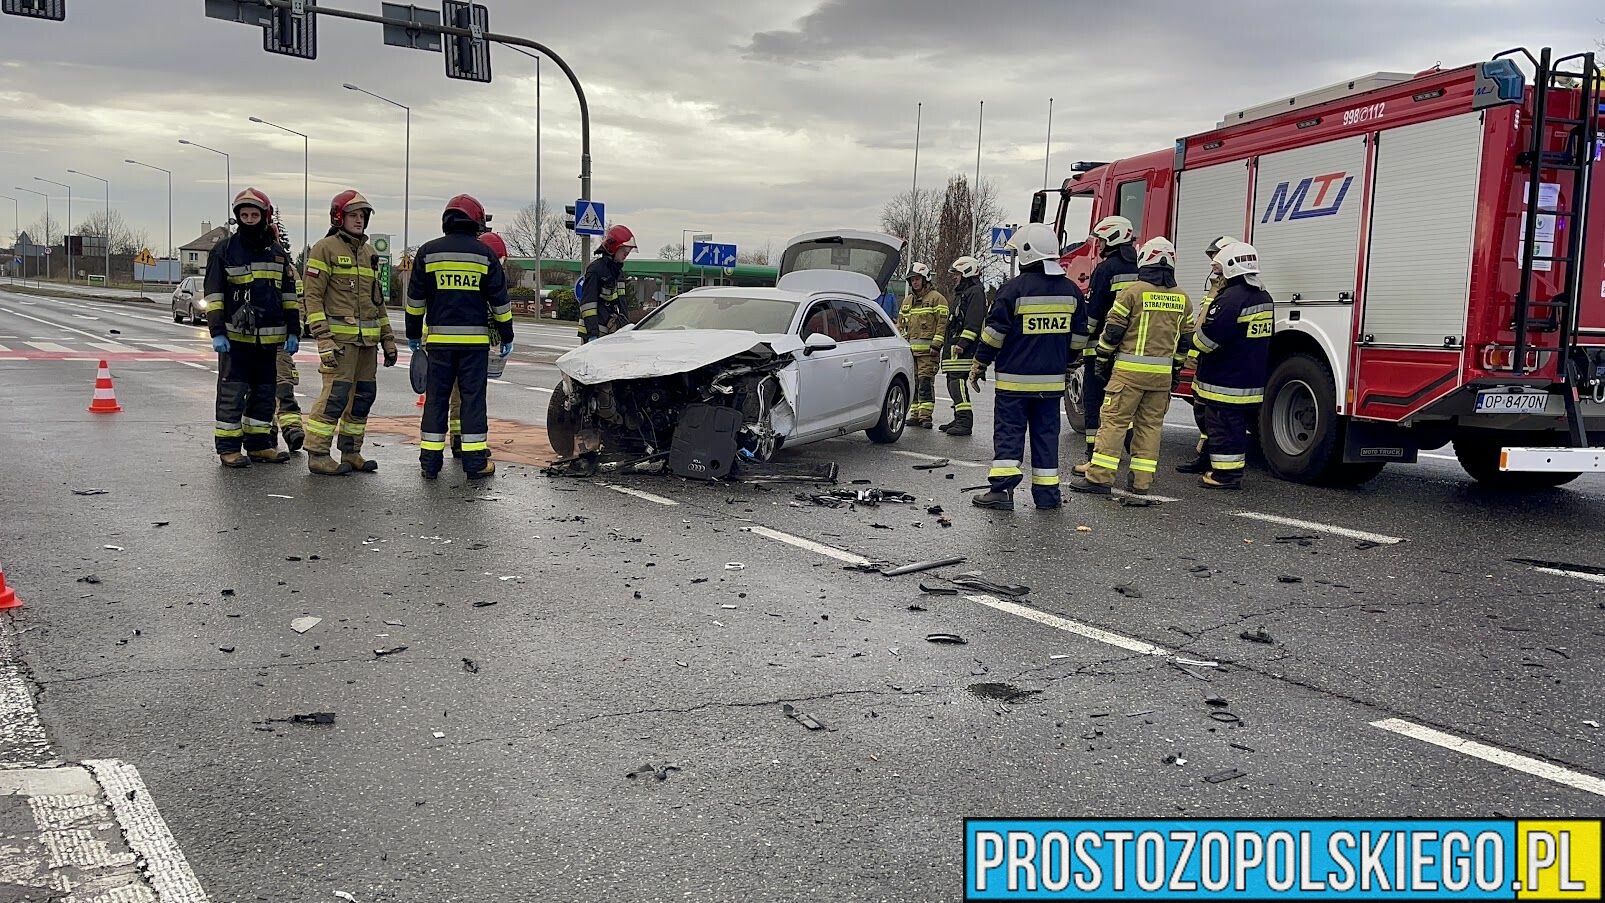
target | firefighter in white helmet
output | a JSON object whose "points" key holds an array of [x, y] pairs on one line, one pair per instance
{"points": [[1116, 271], [1213, 284], [1144, 341], [963, 332], [923, 322], [1234, 345]]}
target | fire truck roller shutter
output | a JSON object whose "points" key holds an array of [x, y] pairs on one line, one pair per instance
{"points": [[1306, 219], [1211, 201]]}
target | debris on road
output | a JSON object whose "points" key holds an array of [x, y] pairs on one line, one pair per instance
{"points": [[1196, 663], [1230, 774], [869, 498], [308, 718], [1257, 635], [975, 582], [95, 490], [89, 578], [735, 566], [438, 735], [1000, 692], [160, 523], [1083, 528], [471, 666], [302, 625], [930, 590], [946, 639], [1224, 717], [934, 465], [1289, 578], [113, 548], [485, 603], [275, 495], [226, 592], [802, 718], [1173, 759], [919, 566], [381, 653], [1366, 544], [1127, 590], [345, 896], [1220, 702], [1302, 540], [656, 772], [228, 649], [1189, 671], [917, 608]]}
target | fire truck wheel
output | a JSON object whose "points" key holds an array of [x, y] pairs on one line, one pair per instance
{"points": [[1298, 424], [1479, 455]]}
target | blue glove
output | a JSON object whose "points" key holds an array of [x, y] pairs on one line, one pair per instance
{"points": [[507, 348], [220, 344], [292, 343], [415, 345]]}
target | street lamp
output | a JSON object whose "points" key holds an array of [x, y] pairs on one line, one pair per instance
{"points": [[47, 227], [306, 176], [16, 228], [169, 202], [540, 222], [406, 189], [65, 238], [107, 183], [228, 175]]}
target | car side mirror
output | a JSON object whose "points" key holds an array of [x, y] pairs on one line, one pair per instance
{"points": [[185, 293], [818, 342]]}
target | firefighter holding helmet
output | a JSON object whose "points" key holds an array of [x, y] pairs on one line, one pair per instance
{"points": [[923, 322], [601, 294], [345, 312]]}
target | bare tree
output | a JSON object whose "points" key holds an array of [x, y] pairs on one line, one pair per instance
{"points": [[672, 251], [952, 222], [763, 256], [125, 238], [907, 212], [556, 242], [44, 231]]}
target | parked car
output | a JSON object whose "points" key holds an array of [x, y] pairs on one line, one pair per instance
{"points": [[812, 358], [189, 301]]}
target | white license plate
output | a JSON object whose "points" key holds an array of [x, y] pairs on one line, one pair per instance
{"points": [[1501, 402]]}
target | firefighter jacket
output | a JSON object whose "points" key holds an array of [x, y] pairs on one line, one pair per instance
{"points": [[251, 293], [1028, 332], [1212, 287], [966, 320], [923, 320], [457, 288], [1110, 277], [344, 304], [1234, 345], [1149, 329], [602, 297]]}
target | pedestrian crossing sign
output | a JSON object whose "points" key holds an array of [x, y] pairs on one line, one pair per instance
{"points": [[590, 217]]}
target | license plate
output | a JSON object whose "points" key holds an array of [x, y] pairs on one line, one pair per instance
{"points": [[1501, 402]]}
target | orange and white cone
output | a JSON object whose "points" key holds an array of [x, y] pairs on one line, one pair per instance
{"points": [[105, 396], [8, 596]]}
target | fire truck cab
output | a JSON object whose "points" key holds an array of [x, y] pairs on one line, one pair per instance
{"points": [[1426, 238]]}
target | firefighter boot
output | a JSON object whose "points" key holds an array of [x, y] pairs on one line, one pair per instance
{"points": [[1082, 484], [268, 456], [1199, 464], [488, 471], [358, 463], [997, 501], [961, 425], [233, 459], [294, 438], [1213, 480], [323, 464], [1080, 470]]}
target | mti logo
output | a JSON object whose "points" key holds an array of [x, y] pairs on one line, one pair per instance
{"points": [[1313, 196]]}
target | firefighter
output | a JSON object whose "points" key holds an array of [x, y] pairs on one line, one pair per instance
{"points": [[963, 331], [454, 423], [345, 312], [251, 312], [1213, 283], [459, 290], [1234, 343], [923, 322], [1140, 351], [1028, 335], [1116, 271], [601, 290]]}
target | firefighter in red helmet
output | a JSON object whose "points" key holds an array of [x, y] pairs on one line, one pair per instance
{"points": [[345, 312], [459, 292], [454, 424], [601, 289]]}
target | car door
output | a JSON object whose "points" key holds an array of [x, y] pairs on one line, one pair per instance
{"points": [[825, 390], [870, 361]]}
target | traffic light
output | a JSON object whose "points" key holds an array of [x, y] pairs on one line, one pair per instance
{"points": [[293, 32], [55, 10], [568, 217], [467, 57]]}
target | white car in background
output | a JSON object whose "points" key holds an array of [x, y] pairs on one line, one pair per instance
{"points": [[813, 358]]}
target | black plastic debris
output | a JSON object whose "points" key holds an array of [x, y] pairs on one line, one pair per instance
{"points": [[934, 510], [381, 653], [1219, 702], [160, 523], [115, 331], [1224, 717], [930, 590], [1302, 540], [1257, 635], [308, 718], [89, 578], [656, 772], [946, 639], [1366, 544], [91, 491], [227, 592], [934, 465], [1129, 591], [971, 581], [1000, 692], [976, 488], [227, 649], [919, 566], [802, 718], [471, 666], [1220, 777], [484, 603], [1289, 578], [917, 608]]}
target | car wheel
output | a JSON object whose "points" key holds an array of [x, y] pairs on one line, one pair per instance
{"points": [[178, 316], [894, 411], [1479, 455], [561, 424]]}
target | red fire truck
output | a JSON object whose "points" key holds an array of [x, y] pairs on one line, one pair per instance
{"points": [[1426, 240]]}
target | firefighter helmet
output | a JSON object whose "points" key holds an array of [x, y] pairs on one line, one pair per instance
{"points": [[967, 266], [345, 202], [1113, 231], [618, 237], [465, 207], [1157, 252], [494, 242], [1239, 259], [1217, 244], [252, 197], [922, 270], [1035, 243]]}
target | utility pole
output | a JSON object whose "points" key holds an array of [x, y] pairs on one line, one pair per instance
{"points": [[66, 238], [107, 274], [47, 227], [228, 177], [169, 172], [406, 175], [1047, 152], [540, 219], [975, 205], [914, 193], [306, 177], [16, 227]]}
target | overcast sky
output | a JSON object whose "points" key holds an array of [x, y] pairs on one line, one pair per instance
{"points": [[752, 119]]}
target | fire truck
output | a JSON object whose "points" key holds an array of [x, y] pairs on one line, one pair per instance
{"points": [[1425, 237]]}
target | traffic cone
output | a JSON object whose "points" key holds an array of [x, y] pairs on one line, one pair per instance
{"points": [[105, 396], [420, 401], [8, 596]]}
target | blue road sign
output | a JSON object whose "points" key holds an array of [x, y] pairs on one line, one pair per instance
{"points": [[1000, 239], [709, 254], [590, 217]]}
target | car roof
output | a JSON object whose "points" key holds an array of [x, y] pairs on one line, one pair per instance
{"points": [[776, 294]]}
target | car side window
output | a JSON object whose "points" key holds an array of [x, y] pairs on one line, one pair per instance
{"points": [[854, 321], [878, 327], [1131, 199], [819, 320]]}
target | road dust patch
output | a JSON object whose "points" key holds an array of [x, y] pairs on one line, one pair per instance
{"points": [[510, 440]]}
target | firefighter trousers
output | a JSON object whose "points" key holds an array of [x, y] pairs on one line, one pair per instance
{"points": [[464, 369], [1014, 415], [289, 413], [1227, 425], [1203, 427], [1128, 406], [349, 389], [1092, 389], [924, 407], [957, 371], [244, 398]]}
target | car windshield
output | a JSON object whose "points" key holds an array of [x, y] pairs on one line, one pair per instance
{"points": [[762, 315]]}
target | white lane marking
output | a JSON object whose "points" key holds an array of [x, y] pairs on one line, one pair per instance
{"points": [[1076, 627], [1319, 527], [4, 348], [1535, 767], [1580, 575], [199, 366], [147, 834], [656, 499], [547, 347], [50, 346], [23, 742], [808, 545], [499, 382], [178, 349], [13, 358], [110, 346], [92, 335], [539, 389], [924, 457], [85, 317]]}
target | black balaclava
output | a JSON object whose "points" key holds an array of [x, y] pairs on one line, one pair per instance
{"points": [[257, 236], [1158, 274], [1126, 252]]}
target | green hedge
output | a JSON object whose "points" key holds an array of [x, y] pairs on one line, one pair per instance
{"points": [[567, 307]]}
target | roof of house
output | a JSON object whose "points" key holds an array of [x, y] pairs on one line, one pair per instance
{"points": [[208, 241]]}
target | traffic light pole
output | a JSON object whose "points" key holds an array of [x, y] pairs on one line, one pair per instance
{"points": [[491, 37]]}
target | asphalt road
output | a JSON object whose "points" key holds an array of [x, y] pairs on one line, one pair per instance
{"points": [[1416, 665]]}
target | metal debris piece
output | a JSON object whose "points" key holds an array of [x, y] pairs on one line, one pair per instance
{"points": [[471, 666], [275, 495], [1129, 591], [1189, 672], [656, 772], [113, 548], [302, 625], [438, 735], [735, 566], [934, 465], [919, 566], [89, 578], [1173, 759], [1592, 724], [802, 718], [345, 896], [972, 581], [930, 590], [91, 491], [381, 653], [1230, 774], [484, 603], [987, 486], [1289, 578], [1196, 663], [946, 639], [1257, 635]]}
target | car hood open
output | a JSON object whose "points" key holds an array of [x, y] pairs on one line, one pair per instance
{"points": [[643, 354]]}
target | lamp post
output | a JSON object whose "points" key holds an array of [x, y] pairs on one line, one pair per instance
{"points": [[65, 229], [228, 176], [107, 183], [47, 227], [169, 202], [406, 188], [540, 221], [16, 227], [306, 177]]}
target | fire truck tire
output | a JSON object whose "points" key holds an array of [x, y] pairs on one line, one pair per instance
{"points": [[1300, 432], [1479, 455], [560, 423]]}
